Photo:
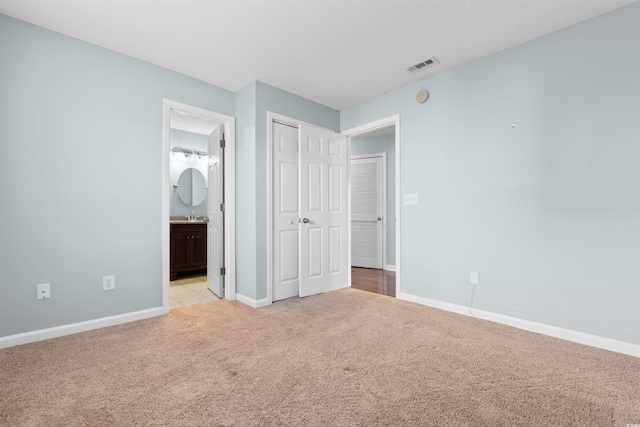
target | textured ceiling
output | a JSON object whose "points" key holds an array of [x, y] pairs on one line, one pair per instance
{"points": [[338, 53]]}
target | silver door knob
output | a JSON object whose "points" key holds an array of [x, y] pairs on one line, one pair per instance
{"points": [[379, 218], [305, 220]]}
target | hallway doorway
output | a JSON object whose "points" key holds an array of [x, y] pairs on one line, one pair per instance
{"points": [[375, 234], [378, 281]]}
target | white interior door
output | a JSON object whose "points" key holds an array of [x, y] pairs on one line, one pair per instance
{"points": [[367, 206], [286, 280], [323, 209], [215, 233]]}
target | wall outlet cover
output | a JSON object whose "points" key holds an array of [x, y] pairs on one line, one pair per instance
{"points": [[473, 277], [43, 291], [108, 283]]}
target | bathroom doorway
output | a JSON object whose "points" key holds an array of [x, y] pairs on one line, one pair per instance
{"points": [[190, 249], [198, 206]]}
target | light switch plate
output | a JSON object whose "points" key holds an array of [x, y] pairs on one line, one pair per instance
{"points": [[411, 199]]}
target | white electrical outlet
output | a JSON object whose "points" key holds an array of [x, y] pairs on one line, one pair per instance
{"points": [[410, 199], [108, 283], [473, 277], [43, 291]]}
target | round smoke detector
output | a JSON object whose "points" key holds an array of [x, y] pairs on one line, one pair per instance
{"points": [[422, 96]]}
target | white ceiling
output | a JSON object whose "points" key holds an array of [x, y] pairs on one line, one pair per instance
{"points": [[383, 131], [189, 123], [338, 53]]}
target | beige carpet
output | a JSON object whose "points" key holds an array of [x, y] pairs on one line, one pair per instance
{"points": [[341, 359]]}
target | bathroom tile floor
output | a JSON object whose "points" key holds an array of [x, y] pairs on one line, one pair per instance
{"points": [[190, 290]]}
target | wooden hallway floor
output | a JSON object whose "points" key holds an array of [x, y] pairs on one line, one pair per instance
{"points": [[371, 280]]}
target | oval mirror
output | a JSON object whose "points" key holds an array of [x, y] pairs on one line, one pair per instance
{"points": [[192, 187]]}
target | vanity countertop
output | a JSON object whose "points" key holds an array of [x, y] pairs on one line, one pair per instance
{"points": [[184, 220]]}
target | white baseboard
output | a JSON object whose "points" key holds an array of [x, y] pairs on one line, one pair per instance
{"points": [[74, 328], [527, 325], [251, 302], [390, 267]]}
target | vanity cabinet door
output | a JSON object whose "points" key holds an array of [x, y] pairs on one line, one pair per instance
{"points": [[179, 249], [198, 245], [188, 248]]}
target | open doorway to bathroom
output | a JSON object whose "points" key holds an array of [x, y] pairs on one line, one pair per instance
{"points": [[196, 215], [188, 208]]}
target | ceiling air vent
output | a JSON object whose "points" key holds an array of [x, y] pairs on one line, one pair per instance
{"points": [[421, 65]]}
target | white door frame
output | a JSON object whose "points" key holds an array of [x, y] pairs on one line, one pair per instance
{"points": [[229, 124], [384, 199], [358, 130], [361, 130]]}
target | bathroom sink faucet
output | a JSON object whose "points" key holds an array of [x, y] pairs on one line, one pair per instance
{"points": [[192, 217]]}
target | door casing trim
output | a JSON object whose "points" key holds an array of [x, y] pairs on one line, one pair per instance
{"points": [[358, 130], [361, 130], [229, 124]]}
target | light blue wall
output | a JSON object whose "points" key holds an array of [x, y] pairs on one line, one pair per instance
{"points": [[81, 176], [252, 105], [272, 99], [383, 144], [246, 191], [547, 212], [88, 123]]}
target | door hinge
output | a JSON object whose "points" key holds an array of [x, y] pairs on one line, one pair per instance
{"points": [[223, 271], [221, 207], [222, 143]]}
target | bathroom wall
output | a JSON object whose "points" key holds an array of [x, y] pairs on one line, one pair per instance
{"points": [[178, 163]]}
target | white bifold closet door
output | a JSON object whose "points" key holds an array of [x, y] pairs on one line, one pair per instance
{"points": [[286, 274], [324, 211], [310, 211]]}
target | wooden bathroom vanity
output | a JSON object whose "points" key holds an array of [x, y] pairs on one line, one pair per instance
{"points": [[188, 247]]}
